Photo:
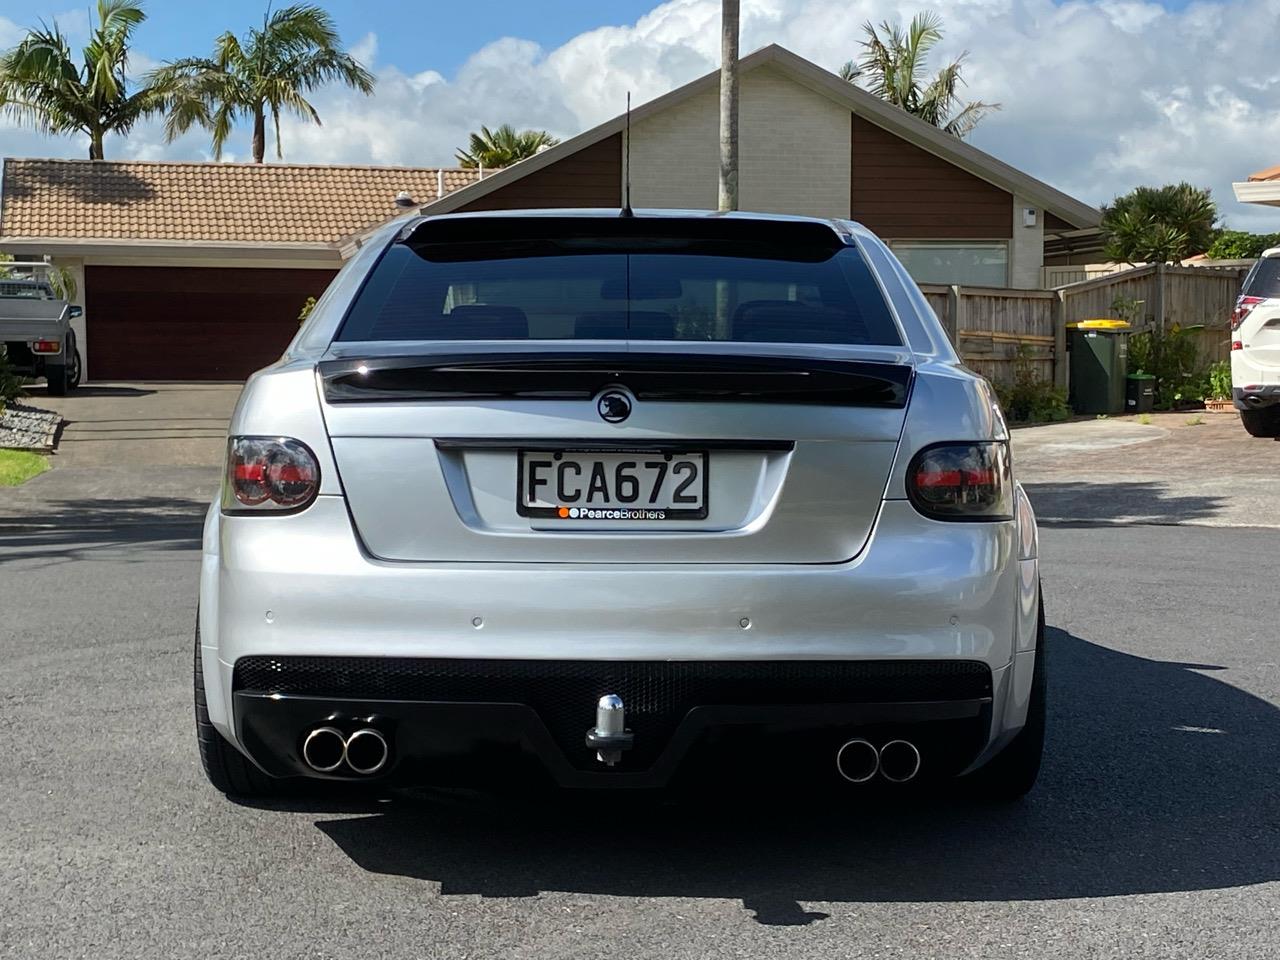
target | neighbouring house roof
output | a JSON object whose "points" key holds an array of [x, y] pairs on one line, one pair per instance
{"points": [[1072, 212], [1262, 187], [218, 203]]}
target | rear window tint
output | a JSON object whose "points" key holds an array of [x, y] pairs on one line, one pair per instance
{"points": [[1264, 279], [639, 286]]}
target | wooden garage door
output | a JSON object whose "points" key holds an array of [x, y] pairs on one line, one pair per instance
{"points": [[192, 323]]}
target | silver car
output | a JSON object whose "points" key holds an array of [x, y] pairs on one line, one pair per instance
{"points": [[621, 501]]}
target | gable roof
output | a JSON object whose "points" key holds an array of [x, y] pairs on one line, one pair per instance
{"points": [[897, 121], [249, 204]]}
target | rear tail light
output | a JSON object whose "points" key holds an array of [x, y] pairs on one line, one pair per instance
{"points": [[962, 481], [1244, 307], [269, 473], [46, 346], [1237, 345]]}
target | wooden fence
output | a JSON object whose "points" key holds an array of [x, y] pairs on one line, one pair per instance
{"points": [[1165, 296], [990, 326]]}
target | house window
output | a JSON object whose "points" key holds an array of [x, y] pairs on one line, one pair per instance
{"points": [[963, 262]]}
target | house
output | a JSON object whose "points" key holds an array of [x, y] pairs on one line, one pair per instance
{"points": [[198, 270], [195, 271], [1262, 187]]}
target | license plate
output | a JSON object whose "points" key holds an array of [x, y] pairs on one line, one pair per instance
{"points": [[612, 485]]}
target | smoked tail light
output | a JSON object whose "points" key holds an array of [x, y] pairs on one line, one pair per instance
{"points": [[962, 481], [269, 474]]}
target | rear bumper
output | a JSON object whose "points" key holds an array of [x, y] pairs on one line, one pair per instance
{"points": [[1256, 398], [300, 586], [457, 743]]}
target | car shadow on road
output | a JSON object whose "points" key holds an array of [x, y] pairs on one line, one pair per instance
{"points": [[68, 528], [1157, 779], [1089, 504]]}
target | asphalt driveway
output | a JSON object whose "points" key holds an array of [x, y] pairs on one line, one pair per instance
{"points": [[1154, 831]]}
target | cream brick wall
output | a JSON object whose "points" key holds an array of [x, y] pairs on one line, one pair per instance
{"points": [[1026, 247], [794, 148]]}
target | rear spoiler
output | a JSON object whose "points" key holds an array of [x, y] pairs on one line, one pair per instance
{"points": [[648, 376]]}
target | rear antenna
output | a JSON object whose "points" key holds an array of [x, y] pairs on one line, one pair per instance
{"points": [[626, 181]]}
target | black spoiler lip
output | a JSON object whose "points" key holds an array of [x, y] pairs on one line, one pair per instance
{"points": [[582, 375]]}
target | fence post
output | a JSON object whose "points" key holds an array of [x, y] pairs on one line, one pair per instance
{"points": [[955, 310], [1157, 308], [1058, 313]]}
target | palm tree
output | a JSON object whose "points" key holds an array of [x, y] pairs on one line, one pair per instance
{"points": [[1159, 224], [296, 51], [41, 85], [504, 146], [892, 64]]}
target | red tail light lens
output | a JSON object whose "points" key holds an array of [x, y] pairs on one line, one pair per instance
{"points": [[46, 346], [962, 481], [1244, 307], [266, 473]]}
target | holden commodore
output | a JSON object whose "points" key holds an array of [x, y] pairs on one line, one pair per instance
{"points": [[606, 500]]}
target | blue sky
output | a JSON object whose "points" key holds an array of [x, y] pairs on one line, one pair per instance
{"points": [[1097, 96], [412, 35]]}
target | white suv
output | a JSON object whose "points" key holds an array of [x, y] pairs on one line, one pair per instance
{"points": [[1255, 348]]}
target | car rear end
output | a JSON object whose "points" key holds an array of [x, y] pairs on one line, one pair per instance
{"points": [[1255, 347], [609, 501], [34, 325]]}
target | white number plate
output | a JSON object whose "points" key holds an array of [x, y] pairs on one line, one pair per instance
{"points": [[577, 485]]}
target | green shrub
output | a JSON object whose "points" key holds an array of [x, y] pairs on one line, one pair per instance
{"points": [[1219, 381], [1241, 245], [308, 305], [10, 382], [1173, 359], [1027, 398]]}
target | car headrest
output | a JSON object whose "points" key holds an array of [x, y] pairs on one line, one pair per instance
{"points": [[484, 321], [613, 325], [791, 321]]}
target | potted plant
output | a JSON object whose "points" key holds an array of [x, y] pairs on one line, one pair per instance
{"points": [[1218, 397]]}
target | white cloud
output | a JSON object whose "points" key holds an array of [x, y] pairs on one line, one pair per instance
{"points": [[1097, 95]]}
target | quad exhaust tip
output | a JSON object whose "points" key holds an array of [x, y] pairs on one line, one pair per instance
{"points": [[858, 761], [899, 761], [325, 749], [365, 752]]}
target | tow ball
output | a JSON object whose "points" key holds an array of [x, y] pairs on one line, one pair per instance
{"points": [[610, 736]]}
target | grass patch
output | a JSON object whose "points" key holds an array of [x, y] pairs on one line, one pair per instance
{"points": [[19, 466], [1195, 421], [1144, 419]]}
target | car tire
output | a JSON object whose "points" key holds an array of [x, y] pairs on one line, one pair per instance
{"points": [[226, 767], [1261, 423], [55, 375], [1011, 773], [76, 367]]}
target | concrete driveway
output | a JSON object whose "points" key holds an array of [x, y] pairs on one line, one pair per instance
{"points": [[134, 460], [1174, 470]]}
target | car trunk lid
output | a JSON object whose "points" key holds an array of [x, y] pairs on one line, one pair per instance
{"points": [[784, 459]]}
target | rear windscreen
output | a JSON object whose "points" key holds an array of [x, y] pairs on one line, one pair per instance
{"points": [[571, 280], [1263, 280]]}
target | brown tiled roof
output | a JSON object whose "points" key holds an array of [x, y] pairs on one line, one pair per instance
{"points": [[253, 203], [1271, 173]]}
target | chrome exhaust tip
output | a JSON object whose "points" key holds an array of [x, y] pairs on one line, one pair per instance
{"points": [[899, 761], [367, 751], [857, 761], [324, 749]]}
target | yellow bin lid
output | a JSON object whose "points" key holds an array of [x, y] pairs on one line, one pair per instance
{"points": [[1100, 324]]}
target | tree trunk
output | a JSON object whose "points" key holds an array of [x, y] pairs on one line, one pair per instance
{"points": [[259, 134], [95, 145], [729, 20]]}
